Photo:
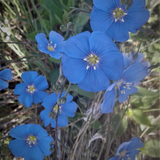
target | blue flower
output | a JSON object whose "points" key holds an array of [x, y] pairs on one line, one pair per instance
{"points": [[91, 60], [49, 114], [31, 90], [7, 75], [31, 141], [128, 150], [54, 47], [125, 85], [110, 17]]}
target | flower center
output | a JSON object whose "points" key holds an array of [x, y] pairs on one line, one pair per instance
{"points": [[124, 156], [31, 140], [93, 60], [54, 111], [124, 86], [119, 14], [31, 89], [51, 47]]}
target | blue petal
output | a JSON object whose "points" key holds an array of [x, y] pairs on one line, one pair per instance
{"points": [[115, 158], [69, 109], [140, 57], [136, 18], [41, 83], [74, 69], [112, 64], [126, 91], [139, 3], [69, 97], [62, 121], [39, 96], [135, 143], [78, 46], [34, 153], [95, 80], [118, 31], [132, 154], [44, 145], [43, 49], [56, 54], [29, 76], [6, 74], [99, 41], [18, 147], [3, 84], [109, 101], [106, 5], [55, 37], [122, 147], [19, 131], [26, 99], [37, 130], [41, 39], [135, 73], [127, 60], [100, 20], [45, 117], [50, 101], [20, 88]]}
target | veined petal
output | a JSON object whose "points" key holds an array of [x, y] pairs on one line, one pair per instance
{"points": [[29, 76], [43, 49], [18, 147], [55, 37], [41, 39], [74, 69], [106, 5], [118, 31], [26, 99], [136, 18], [127, 60], [132, 154], [6, 74], [41, 83], [139, 3], [33, 153], [69, 109], [109, 101], [135, 73], [44, 145], [39, 96], [140, 57], [112, 65], [20, 88], [50, 101], [135, 143], [125, 91], [19, 131], [55, 54], [45, 117], [95, 80], [100, 20], [122, 147], [101, 44], [3, 84], [78, 46]]}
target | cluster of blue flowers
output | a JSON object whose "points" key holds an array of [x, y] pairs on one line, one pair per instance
{"points": [[91, 60]]}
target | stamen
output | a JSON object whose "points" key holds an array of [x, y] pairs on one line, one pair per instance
{"points": [[123, 92], [31, 140], [94, 67], [55, 108], [85, 59], [87, 67], [122, 19], [31, 89], [118, 14]]}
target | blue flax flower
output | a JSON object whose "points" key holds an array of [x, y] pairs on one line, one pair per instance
{"points": [[49, 114], [7, 75], [53, 47], [31, 142], [91, 60], [128, 150], [125, 85], [31, 90], [111, 17]]}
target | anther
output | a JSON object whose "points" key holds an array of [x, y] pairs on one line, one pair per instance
{"points": [[87, 67], [94, 67]]}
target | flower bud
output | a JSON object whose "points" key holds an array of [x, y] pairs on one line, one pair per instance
{"points": [[61, 100]]}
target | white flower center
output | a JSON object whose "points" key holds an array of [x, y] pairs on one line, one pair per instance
{"points": [[92, 60], [31, 140], [51, 47], [118, 14], [31, 89]]}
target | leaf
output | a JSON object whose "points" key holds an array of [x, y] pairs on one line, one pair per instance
{"points": [[96, 125], [51, 59], [76, 89], [54, 75], [123, 125], [138, 116], [152, 148]]}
